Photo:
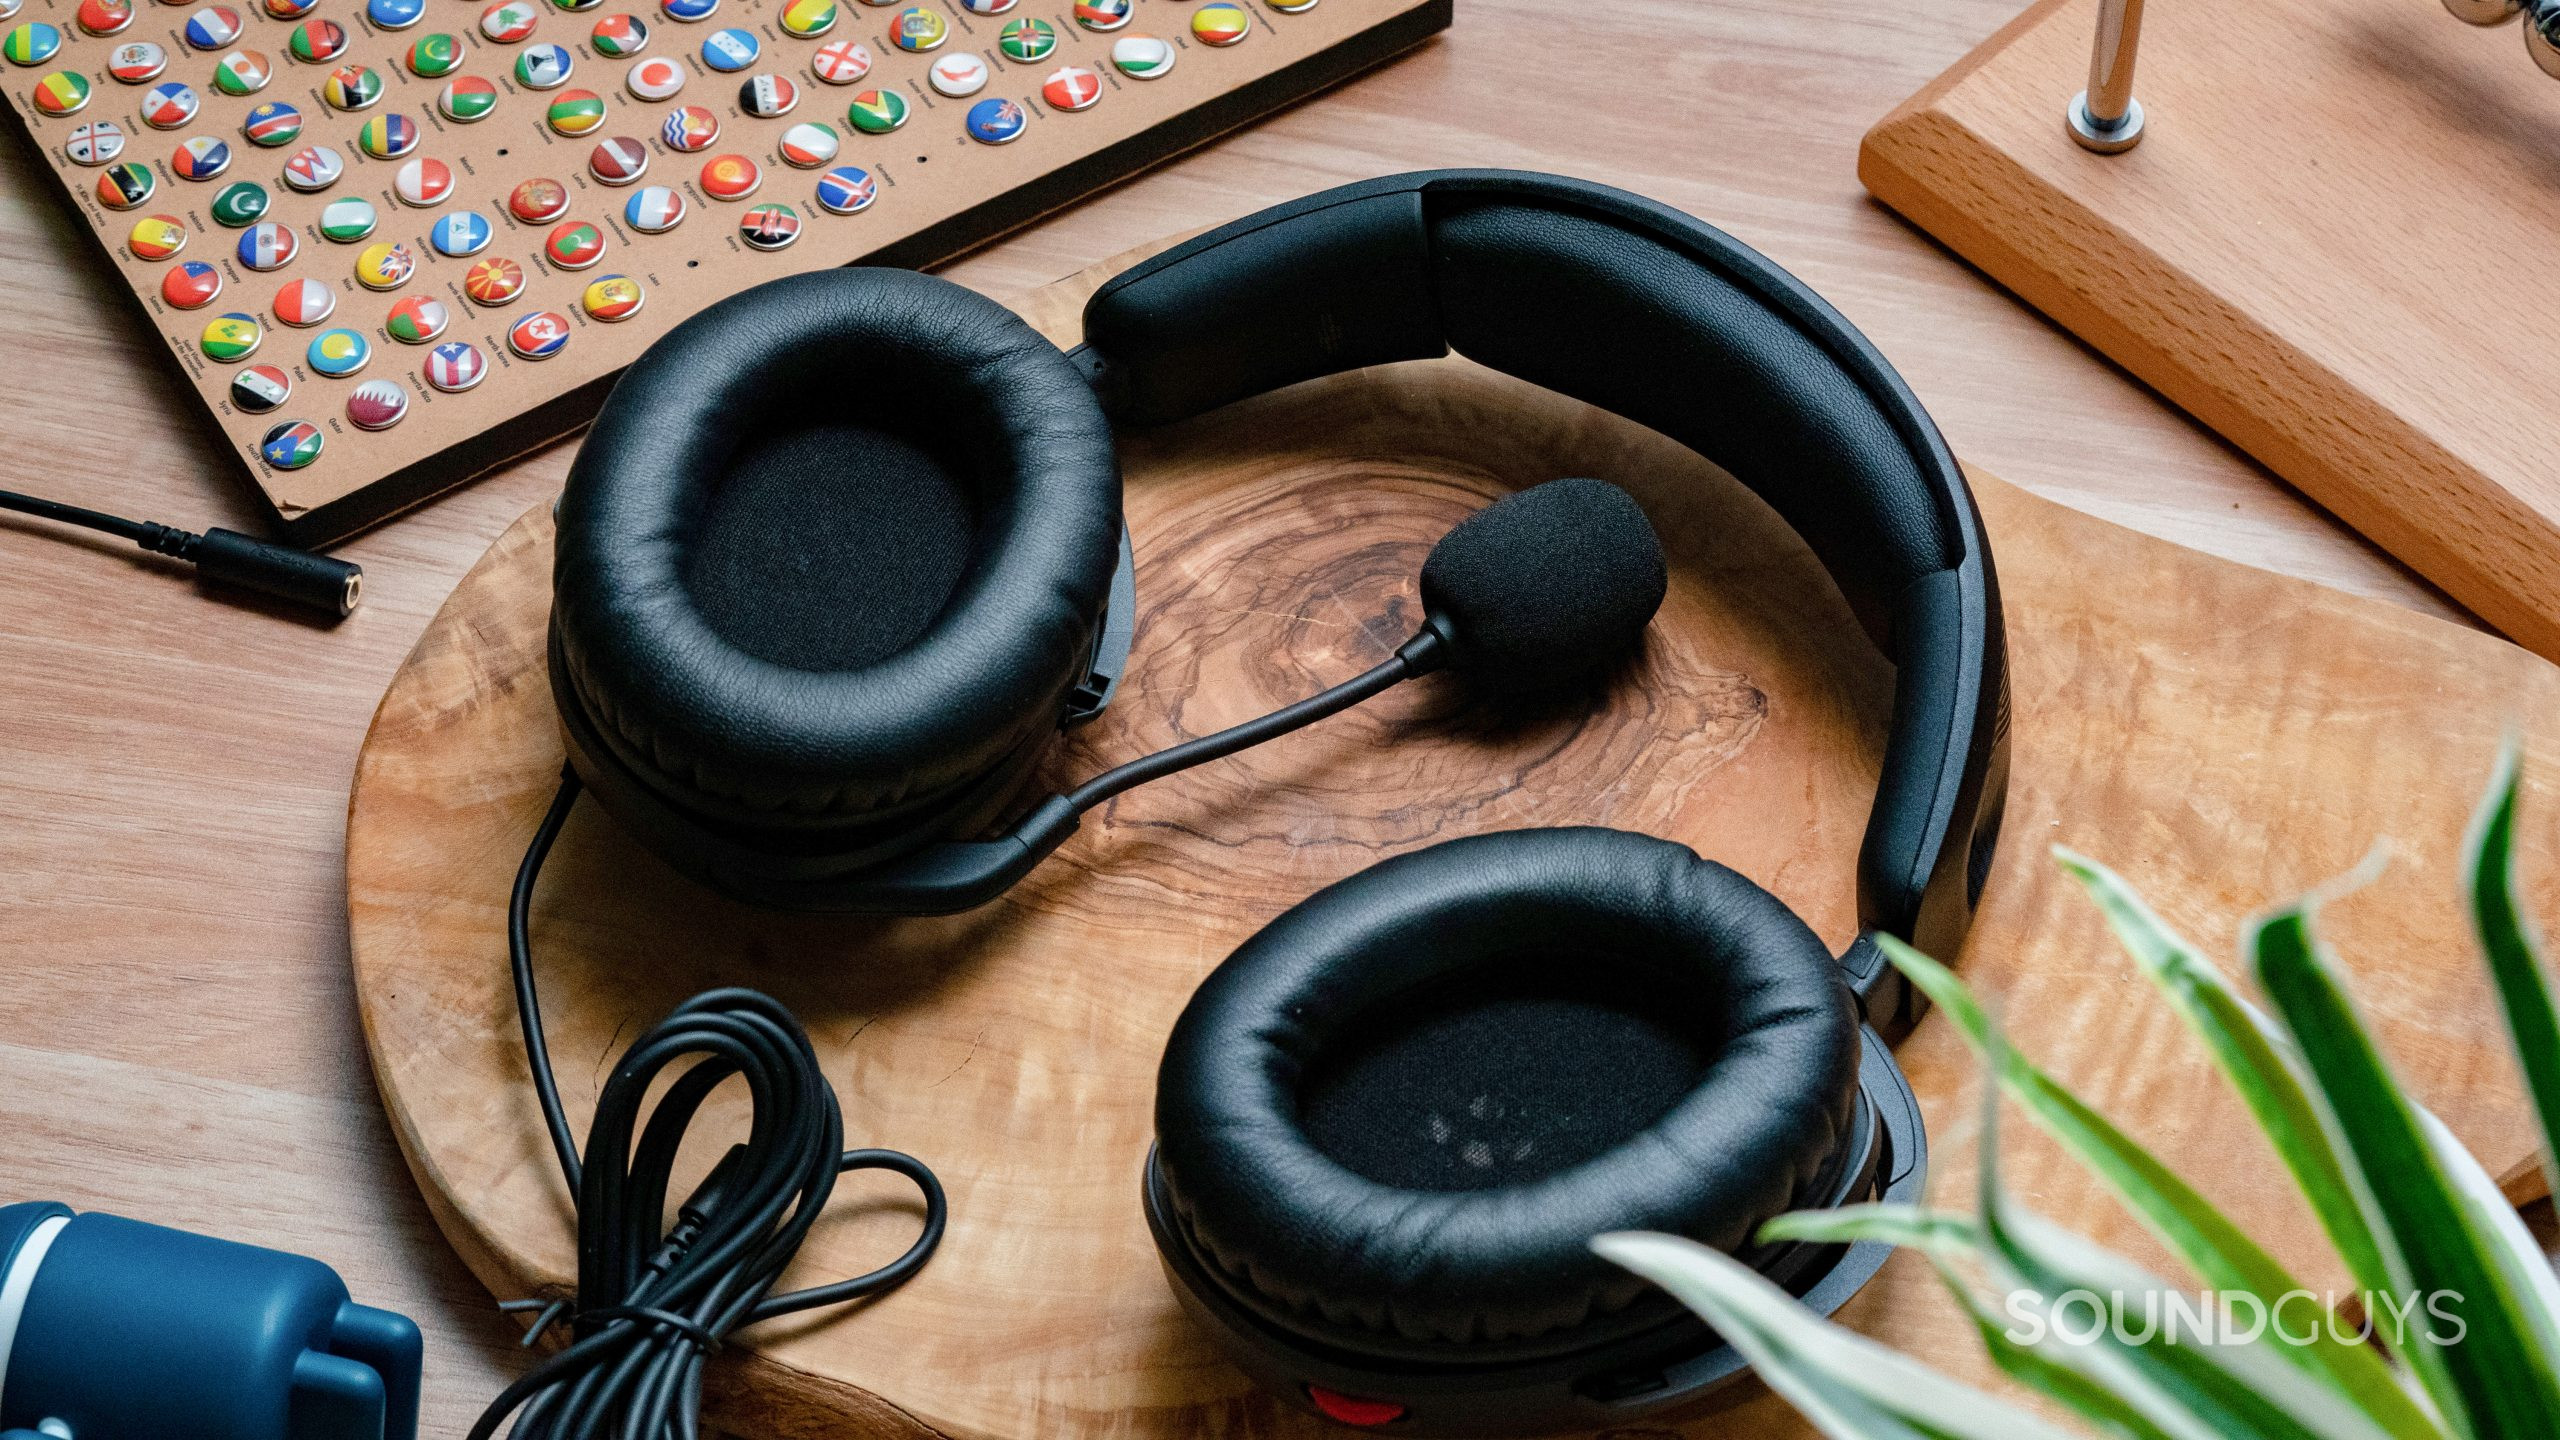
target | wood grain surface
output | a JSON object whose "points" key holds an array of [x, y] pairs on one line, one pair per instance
{"points": [[178, 1034], [2302, 251], [1014, 1048]]}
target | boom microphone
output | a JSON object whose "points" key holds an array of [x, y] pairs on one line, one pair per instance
{"points": [[1540, 588]]}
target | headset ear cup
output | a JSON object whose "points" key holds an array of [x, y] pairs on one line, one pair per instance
{"points": [[752, 498], [1291, 1211]]}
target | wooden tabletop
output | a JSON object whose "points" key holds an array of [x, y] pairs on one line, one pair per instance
{"points": [[177, 1037]]}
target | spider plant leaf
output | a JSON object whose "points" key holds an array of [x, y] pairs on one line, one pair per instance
{"points": [[2252, 1054], [2491, 1380], [2507, 938], [2220, 1253], [1850, 1387]]}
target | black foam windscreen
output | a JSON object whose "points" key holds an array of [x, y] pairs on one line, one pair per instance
{"points": [[1506, 1074], [1549, 585]]}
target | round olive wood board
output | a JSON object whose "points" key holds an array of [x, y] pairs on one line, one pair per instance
{"points": [[2223, 736]]}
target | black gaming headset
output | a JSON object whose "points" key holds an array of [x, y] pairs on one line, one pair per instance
{"points": [[810, 638]]}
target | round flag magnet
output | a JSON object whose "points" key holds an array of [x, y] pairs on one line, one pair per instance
{"points": [[961, 74], [462, 234], [466, 98], [730, 177], [388, 136], [1141, 57], [1220, 23], [433, 57], [988, 7], [656, 78], [317, 42], [347, 220], [455, 366], [123, 186], [614, 297], [538, 201], [616, 37], [33, 42], [257, 389], [168, 105], [769, 226], [1027, 41], [242, 202], [137, 62], [877, 112], [688, 12], [200, 157], [1104, 15], [313, 168], [271, 123], [423, 181], [544, 67], [809, 19], [377, 405], [654, 209], [1071, 88], [305, 303], [96, 143], [337, 353], [289, 9], [268, 245], [242, 72], [9, 9], [1291, 7], [730, 50], [574, 245], [809, 145], [539, 336], [995, 122], [156, 237], [62, 93], [618, 160], [231, 337], [847, 189], [841, 62], [575, 7], [689, 129], [574, 113], [417, 319], [103, 17], [395, 14], [768, 96], [352, 87], [211, 27], [291, 445], [385, 266], [190, 284], [494, 281], [510, 21], [919, 29]]}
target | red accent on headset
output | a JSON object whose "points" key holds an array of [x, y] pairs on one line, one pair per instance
{"points": [[1351, 1410]]}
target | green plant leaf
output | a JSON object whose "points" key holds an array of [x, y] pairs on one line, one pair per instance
{"points": [[2251, 1053], [2506, 937], [2518, 1255], [1912, 1227], [2095, 1403], [2493, 1385], [2219, 1251], [2229, 1390], [1850, 1387]]}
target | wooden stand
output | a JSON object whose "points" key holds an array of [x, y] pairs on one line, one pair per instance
{"points": [[2222, 735], [2328, 247]]}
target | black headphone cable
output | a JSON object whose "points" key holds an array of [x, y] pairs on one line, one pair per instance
{"points": [[318, 582], [652, 1301]]}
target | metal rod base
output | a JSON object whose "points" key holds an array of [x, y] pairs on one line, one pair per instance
{"points": [[2105, 139]]}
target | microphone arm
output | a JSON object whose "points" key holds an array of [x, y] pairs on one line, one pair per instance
{"points": [[962, 875]]}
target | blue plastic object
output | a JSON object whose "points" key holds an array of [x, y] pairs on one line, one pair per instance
{"points": [[111, 1329]]}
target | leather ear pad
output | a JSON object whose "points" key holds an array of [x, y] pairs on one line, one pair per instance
{"points": [[1322, 1248], [907, 360]]}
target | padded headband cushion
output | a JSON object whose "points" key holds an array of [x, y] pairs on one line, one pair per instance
{"points": [[1386, 989], [707, 489]]}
